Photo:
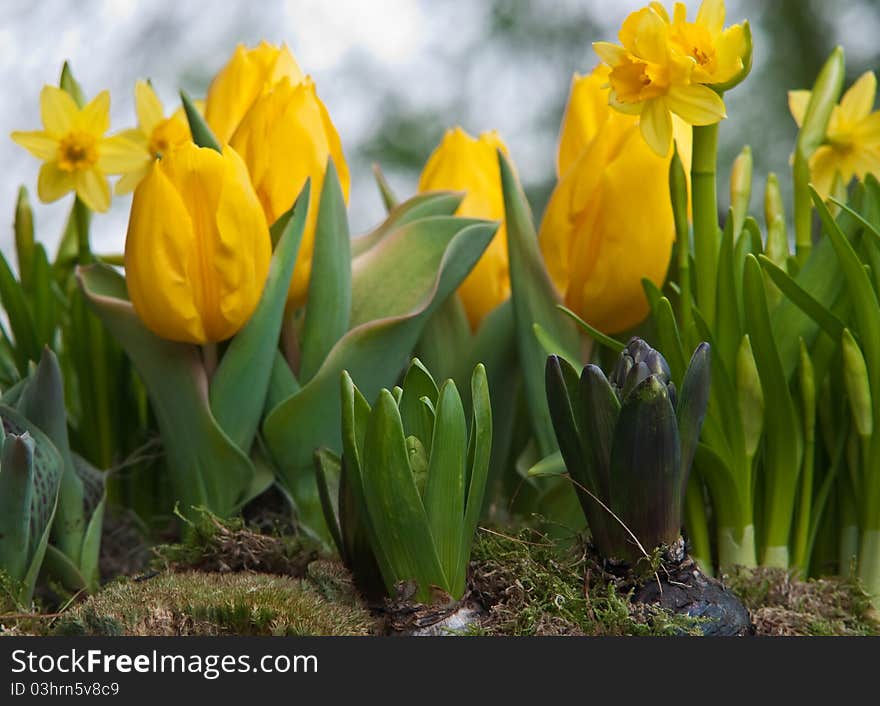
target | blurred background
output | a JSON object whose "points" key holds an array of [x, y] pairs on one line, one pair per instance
{"points": [[395, 74]]}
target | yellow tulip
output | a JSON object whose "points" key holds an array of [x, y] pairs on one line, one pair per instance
{"points": [[464, 163], [76, 154], [249, 74], [609, 220], [198, 247], [285, 138]]}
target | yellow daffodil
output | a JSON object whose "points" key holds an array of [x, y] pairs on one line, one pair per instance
{"points": [[464, 163], [198, 247], [76, 154], [286, 137], [609, 221], [852, 140], [154, 136], [720, 55], [249, 74], [650, 78]]}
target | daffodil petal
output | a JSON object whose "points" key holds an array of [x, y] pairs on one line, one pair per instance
{"points": [[797, 105], [857, 102], [609, 53], [119, 154], [129, 182], [53, 183], [661, 11], [651, 39], [95, 116], [824, 166], [711, 14], [57, 110], [38, 143], [656, 126], [93, 188], [147, 106], [867, 132], [679, 13], [697, 105]]}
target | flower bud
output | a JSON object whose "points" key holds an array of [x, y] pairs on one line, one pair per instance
{"points": [[750, 396], [741, 188], [855, 377]]}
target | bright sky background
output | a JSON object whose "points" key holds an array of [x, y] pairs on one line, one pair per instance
{"points": [[353, 48]]}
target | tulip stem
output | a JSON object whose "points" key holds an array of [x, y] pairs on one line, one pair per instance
{"points": [[705, 209], [209, 358]]}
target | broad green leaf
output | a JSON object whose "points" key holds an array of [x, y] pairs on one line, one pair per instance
{"points": [[670, 340], [418, 384], [373, 353], [21, 323], [446, 340], [693, 400], [534, 301], [207, 469], [444, 496], [329, 302], [552, 347], [16, 497], [434, 203], [43, 297], [395, 507], [828, 322]]}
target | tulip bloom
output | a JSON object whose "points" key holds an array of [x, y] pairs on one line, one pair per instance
{"points": [[76, 154], [609, 220], [198, 247], [154, 136], [852, 140], [249, 74], [464, 163], [286, 137]]}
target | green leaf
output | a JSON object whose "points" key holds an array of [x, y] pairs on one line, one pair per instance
{"points": [[564, 403], [826, 320], [24, 238], [43, 297], [395, 506], [201, 133], [373, 352], [27, 346], [434, 203], [611, 343], [728, 328], [534, 301], [552, 465], [328, 468], [207, 469], [16, 498], [418, 384], [329, 302], [445, 343], [240, 383], [444, 496], [389, 200], [600, 410], [693, 399], [783, 440], [553, 347]]}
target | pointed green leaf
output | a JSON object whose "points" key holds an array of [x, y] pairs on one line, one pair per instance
{"points": [[728, 327], [693, 399], [16, 498], [329, 303], [611, 343], [418, 384], [552, 465], [328, 467], [600, 412], [389, 200], [21, 323], [198, 126], [444, 496], [240, 383], [553, 347], [394, 505]]}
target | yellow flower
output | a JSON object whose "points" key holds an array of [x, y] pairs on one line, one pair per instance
{"points": [[76, 154], [852, 140], [286, 137], [650, 78], [464, 163], [609, 222], [198, 247], [154, 136], [719, 54], [249, 74]]}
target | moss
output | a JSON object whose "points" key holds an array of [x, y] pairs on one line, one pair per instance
{"points": [[212, 544], [534, 586], [198, 603], [783, 605]]}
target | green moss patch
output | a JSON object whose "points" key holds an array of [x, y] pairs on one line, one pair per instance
{"points": [[783, 605], [200, 603]]}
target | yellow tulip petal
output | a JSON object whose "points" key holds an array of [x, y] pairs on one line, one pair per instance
{"points": [[711, 14], [858, 100], [38, 143], [53, 183], [656, 126], [94, 118], [120, 154], [335, 146], [697, 105], [93, 188], [797, 105], [57, 110], [147, 106], [585, 112], [157, 251]]}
